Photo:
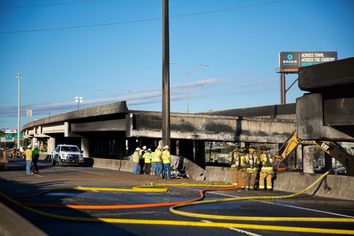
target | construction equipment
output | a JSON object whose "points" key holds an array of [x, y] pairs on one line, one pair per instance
{"points": [[330, 147]]}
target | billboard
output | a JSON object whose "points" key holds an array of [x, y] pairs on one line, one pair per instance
{"points": [[291, 61]]}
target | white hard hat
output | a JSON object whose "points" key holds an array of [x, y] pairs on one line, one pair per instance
{"points": [[159, 147], [29, 146], [144, 147], [137, 149], [149, 150], [166, 147]]}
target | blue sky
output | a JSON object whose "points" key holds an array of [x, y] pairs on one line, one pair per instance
{"points": [[224, 53]]}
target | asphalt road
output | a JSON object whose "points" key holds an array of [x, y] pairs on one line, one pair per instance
{"points": [[16, 183]]}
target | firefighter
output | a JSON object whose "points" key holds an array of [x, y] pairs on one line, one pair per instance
{"points": [[235, 165], [242, 170], [252, 162], [267, 172]]}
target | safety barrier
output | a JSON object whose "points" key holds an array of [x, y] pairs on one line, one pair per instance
{"points": [[217, 174], [113, 164], [336, 186], [126, 166]]}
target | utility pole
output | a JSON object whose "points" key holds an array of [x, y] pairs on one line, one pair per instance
{"points": [[282, 88], [165, 75], [18, 77]]}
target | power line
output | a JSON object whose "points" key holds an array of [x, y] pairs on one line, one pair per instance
{"points": [[81, 26], [227, 9], [45, 5], [140, 20]]}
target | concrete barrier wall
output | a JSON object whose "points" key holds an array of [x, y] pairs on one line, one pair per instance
{"points": [[192, 170], [126, 166], [113, 164], [339, 187], [106, 163], [217, 174]]}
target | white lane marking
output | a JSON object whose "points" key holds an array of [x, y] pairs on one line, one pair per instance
{"points": [[307, 209], [286, 205], [236, 229]]}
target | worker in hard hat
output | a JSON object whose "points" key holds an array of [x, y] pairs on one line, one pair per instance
{"points": [[235, 165], [252, 168], [267, 171], [166, 160], [141, 158], [147, 162], [136, 164], [28, 155], [35, 157], [156, 161]]}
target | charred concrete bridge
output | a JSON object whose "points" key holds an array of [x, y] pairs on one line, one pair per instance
{"points": [[114, 131]]}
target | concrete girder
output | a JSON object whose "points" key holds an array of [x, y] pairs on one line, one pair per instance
{"points": [[320, 77], [87, 113], [105, 125], [211, 127], [310, 124]]}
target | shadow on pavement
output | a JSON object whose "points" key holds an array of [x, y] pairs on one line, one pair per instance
{"points": [[48, 225]]}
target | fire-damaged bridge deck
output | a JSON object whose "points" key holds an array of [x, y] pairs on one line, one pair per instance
{"points": [[103, 124]]}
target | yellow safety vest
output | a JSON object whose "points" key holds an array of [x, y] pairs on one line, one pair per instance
{"points": [[156, 156], [147, 157], [141, 153], [166, 157], [136, 157], [28, 154]]}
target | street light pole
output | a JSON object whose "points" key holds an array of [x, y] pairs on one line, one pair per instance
{"points": [[78, 100], [165, 75], [18, 77]]}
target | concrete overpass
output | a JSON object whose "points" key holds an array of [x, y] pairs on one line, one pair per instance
{"points": [[114, 131]]}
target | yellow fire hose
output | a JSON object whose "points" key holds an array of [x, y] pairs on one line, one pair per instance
{"points": [[174, 210], [198, 224]]}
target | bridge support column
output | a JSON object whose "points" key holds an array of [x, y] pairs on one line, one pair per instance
{"points": [[186, 149], [85, 147], [199, 153], [51, 145], [299, 156], [309, 156], [34, 141]]}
